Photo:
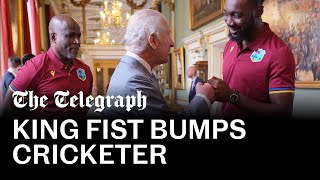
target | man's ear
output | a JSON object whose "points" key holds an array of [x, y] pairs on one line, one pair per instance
{"points": [[53, 37], [259, 10], [152, 39]]}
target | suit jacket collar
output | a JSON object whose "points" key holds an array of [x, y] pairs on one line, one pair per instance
{"points": [[195, 78], [11, 71], [136, 64], [141, 60]]}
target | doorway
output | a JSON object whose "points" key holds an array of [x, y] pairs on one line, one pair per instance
{"points": [[102, 72]]}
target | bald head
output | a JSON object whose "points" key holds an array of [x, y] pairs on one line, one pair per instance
{"points": [[65, 36], [61, 22], [192, 72]]}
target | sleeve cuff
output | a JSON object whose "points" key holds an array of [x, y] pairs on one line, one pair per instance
{"points": [[12, 88], [206, 99]]}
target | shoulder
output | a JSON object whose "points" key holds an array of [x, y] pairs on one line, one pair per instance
{"points": [[277, 48], [37, 62], [7, 75], [140, 78], [140, 81], [280, 48], [274, 42], [199, 79], [278, 41], [229, 44]]}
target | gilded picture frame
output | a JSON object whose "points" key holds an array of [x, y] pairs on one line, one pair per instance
{"points": [[297, 24], [167, 73], [204, 11], [178, 68]]}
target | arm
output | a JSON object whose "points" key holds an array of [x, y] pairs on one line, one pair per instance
{"points": [[200, 105], [25, 79], [280, 104], [8, 107], [156, 105], [7, 102]]}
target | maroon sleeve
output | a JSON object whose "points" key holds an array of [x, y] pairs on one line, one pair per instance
{"points": [[282, 70], [26, 78]]}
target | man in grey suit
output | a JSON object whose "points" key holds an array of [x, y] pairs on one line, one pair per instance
{"points": [[148, 42]]}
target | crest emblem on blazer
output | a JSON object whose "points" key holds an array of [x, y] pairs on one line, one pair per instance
{"points": [[81, 74], [257, 55]]}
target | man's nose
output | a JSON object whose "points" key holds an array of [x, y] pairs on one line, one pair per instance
{"points": [[229, 21], [76, 40], [171, 43]]}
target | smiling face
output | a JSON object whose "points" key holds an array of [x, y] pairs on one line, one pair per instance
{"points": [[239, 16]]}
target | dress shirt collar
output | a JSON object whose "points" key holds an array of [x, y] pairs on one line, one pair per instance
{"points": [[12, 72], [142, 61], [194, 81]]}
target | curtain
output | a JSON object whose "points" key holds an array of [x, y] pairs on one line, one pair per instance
{"points": [[27, 44], [1, 51], [49, 14], [7, 47], [34, 27]]}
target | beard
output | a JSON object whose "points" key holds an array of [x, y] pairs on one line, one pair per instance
{"points": [[72, 53], [244, 34]]}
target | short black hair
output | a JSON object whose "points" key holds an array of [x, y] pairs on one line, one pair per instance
{"points": [[14, 61], [26, 57], [257, 2]]}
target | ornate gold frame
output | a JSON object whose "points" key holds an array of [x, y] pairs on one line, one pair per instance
{"points": [[307, 84], [194, 24], [178, 62]]}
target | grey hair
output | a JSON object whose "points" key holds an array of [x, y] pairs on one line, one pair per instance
{"points": [[141, 24]]}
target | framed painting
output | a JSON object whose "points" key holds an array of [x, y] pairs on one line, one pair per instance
{"points": [[167, 73], [178, 68], [204, 11], [298, 24], [163, 74]]}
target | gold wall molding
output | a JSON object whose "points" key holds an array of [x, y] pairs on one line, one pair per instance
{"points": [[82, 4]]}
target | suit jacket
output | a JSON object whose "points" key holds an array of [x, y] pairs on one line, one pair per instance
{"points": [[6, 81], [193, 89], [131, 76]]}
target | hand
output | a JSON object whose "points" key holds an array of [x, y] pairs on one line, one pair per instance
{"points": [[207, 90], [222, 90]]}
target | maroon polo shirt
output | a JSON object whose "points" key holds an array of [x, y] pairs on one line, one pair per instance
{"points": [[45, 74], [265, 67]]}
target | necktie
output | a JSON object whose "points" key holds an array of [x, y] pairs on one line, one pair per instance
{"points": [[192, 84]]}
